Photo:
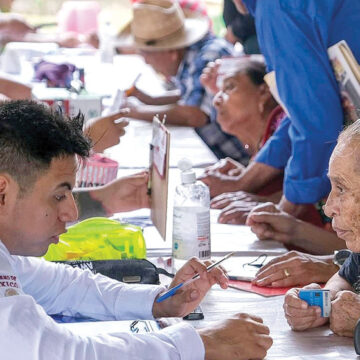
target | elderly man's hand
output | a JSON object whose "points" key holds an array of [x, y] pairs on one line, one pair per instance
{"points": [[224, 200], [345, 312], [237, 212], [187, 299], [124, 194], [219, 183], [268, 222], [294, 268], [106, 131], [240, 337], [299, 314]]}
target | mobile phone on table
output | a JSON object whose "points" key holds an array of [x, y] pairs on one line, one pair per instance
{"points": [[196, 314]]}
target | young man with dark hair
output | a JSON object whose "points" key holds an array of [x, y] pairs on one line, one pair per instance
{"points": [[38, 150]]}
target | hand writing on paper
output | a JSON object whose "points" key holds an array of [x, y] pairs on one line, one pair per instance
{"points": [[187, 299], [240, 337], [299, 315]]}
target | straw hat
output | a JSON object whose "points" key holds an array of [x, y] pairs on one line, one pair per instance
{"points": [[161, 25]]}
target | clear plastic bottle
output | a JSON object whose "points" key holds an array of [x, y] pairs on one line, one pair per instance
{"points": [[191, 217]]}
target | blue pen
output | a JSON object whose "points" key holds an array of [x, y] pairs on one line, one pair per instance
{"points": [[173, 290]]}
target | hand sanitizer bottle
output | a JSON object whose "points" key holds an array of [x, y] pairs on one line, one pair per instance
{"points": [[191, 217]]}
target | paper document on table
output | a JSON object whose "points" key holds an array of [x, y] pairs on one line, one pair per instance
{"points": [[112, 327], [244, 267], [226, 238]]}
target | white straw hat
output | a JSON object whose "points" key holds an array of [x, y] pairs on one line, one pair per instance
{"points": [[161, 25]]}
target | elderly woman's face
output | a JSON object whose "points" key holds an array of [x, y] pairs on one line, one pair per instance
{"points": [[236, 103], [343, 203]]}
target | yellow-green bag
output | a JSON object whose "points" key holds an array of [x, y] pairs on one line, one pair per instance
{"points": [[99, 239]]}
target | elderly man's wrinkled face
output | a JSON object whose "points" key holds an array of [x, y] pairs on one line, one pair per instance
{"points": [[343, 203], [163, 61], [236, 103]]}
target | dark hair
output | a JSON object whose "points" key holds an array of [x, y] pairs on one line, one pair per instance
{"points": [[32, 135], [256, 72], [254, 69]]}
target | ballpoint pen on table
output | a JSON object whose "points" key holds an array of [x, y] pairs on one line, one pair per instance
{"points": [[173, 290]]}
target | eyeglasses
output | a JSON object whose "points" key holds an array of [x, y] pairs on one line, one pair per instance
{"points": [[258, 262]]}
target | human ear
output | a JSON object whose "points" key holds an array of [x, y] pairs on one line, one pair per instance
{"points": [[265, 97], [4, 189]]}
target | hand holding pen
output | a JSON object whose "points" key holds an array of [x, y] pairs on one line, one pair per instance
{"points": [[183, 301], [131, 90]]}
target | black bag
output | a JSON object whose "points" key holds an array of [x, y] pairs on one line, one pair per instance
{"points": [[132, 271]]}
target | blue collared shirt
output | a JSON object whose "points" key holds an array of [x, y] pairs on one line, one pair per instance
{"points": [[196, 57], [294, 36]]}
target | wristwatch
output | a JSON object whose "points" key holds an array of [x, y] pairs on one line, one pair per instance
{"points": [[340, 256]]}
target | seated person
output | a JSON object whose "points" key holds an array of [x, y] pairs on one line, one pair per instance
{"points": [[343, 207], [38, 150], [181, 56], [246, 109], [124, 194], [14, 27], [252, 122]]}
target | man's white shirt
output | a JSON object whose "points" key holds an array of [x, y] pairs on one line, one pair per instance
{"points": [[31, 288]]}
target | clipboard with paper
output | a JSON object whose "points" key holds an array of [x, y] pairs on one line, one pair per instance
{"points": [[159, 175]]}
